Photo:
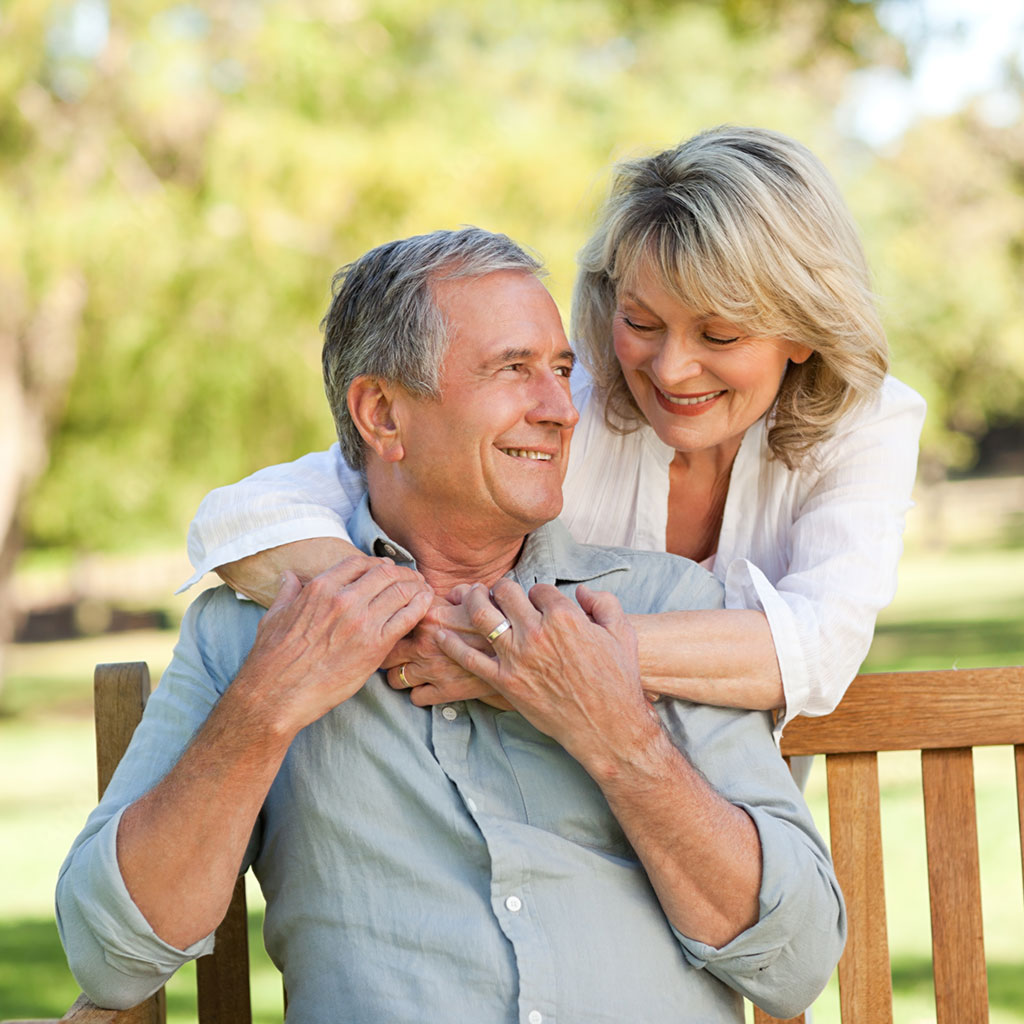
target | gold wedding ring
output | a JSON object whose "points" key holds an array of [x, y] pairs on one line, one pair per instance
{"points": [[402, 679], [498, 630]]}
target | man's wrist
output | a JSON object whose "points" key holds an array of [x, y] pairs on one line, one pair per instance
{"points": [[638, 751]]}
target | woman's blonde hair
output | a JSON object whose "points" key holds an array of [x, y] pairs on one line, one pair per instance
{"points": [[745, 224]]}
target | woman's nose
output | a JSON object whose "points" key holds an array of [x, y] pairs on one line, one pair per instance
{"points": [[677, 361]]}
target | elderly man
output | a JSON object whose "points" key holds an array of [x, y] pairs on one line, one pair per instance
{"points": [[584, 857]]}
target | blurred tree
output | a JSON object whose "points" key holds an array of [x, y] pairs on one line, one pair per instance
{"points": [[947, 229], [179, 182]]}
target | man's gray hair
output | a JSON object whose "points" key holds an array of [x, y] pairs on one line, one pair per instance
{"points": [[383, 321]]}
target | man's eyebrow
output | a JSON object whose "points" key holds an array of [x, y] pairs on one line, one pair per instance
{"points": [[518, 355]]}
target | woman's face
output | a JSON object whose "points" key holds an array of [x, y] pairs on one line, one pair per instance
{"points": [[699, 381]]}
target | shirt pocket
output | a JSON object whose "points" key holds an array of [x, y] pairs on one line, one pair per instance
{"points": [[558, 795]]}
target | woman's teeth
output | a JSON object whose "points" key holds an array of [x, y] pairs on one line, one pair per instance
{"points": [[700, 399]]}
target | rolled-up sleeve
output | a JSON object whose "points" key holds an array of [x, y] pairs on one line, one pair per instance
{"points": [[115, 956], [783, 961], [310, 497], [112, 951], [840, 552]]}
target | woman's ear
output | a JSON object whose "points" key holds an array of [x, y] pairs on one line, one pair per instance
{"points": [[372, 408], [799, 353]]}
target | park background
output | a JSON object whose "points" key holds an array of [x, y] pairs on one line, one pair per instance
{"points": [[178, 182]]}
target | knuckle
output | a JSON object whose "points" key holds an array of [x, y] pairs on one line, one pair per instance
{"points": [[318, 586], [479, 617]]}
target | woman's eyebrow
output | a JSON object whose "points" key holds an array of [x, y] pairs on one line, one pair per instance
{"points": [[635, 299]]}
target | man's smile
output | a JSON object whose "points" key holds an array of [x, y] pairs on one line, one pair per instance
{"points": [[527, 453]]}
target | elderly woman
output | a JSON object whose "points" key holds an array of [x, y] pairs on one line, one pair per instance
{"points": [[735, 409]]}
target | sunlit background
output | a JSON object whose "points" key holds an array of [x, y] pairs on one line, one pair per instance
{"points": [[178, 182]]}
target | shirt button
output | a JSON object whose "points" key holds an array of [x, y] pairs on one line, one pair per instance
{"points": [[535, 1017], [514, 903], [389, 551], [449, 713], [471, 804]]}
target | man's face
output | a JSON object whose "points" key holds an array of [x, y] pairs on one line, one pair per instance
{"points": [[488, 459]]}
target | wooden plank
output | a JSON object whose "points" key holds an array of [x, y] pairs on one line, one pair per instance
{"points": [[120, 692], [760, 1017], [949, 708], [865, 981], [222, 978], [954, 882], [84, 1011]]}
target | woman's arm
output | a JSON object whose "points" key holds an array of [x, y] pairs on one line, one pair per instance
{"points": [[723, 657], [259, 576], [309, 499], [796, 639]]}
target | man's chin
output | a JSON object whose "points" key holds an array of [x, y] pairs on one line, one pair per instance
{"points": [[535, 515]]}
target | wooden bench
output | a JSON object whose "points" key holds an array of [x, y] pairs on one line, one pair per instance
{"points": [[942, 714]]}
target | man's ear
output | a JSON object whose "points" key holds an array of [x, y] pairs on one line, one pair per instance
{"points": [[372, 408]]}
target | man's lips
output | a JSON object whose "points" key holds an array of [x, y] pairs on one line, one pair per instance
{"points": [[687, 405]]}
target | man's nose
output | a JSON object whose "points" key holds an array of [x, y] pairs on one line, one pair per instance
{"points": [[553, 402]]}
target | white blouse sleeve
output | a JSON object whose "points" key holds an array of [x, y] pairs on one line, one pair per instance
{"points": [[843, 546], [310, 497]]}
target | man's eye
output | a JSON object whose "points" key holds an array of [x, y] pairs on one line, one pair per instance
{"points": [[563, 371], [514, 367]]}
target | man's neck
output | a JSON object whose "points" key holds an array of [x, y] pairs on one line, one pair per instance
{"points": [[448, 564], [448, 552]]}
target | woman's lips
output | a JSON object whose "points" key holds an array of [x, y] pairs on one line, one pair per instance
{"points": [[687, 405]]}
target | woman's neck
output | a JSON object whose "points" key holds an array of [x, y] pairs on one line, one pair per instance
{"points": [[698, 489]]}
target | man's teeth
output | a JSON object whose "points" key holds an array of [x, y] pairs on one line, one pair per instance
{"points": [[692, 401], [527, 453]]}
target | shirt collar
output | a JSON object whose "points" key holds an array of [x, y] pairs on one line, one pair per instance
{"points": [[550, 555]]}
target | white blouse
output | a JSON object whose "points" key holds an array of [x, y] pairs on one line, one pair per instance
{"points": [[814, 548]]}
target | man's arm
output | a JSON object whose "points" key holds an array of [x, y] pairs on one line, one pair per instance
{"points": [[734, 859], [574, 675], [180, 846]]}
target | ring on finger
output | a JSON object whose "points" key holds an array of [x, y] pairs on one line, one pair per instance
{"points": [[500, 628], [401, 678]]}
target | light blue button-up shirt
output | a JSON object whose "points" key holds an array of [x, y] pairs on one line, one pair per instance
{"points": [[454, 863]]}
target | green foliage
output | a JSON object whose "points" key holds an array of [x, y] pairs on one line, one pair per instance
{"points": [[206, 169], [947, 225]]}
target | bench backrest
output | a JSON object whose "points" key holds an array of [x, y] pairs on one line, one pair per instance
{"points": [[944, 715]]}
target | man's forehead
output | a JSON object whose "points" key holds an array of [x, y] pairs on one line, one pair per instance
{"points": [[505, 313]]}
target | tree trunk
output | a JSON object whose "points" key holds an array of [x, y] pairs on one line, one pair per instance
{"points": [[38, 349]]}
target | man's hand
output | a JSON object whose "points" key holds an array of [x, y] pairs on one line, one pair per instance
{"points": [[571, 671], [318, 644], [417, 664]]}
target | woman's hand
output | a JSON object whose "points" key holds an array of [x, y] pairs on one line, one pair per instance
{"points": [[418, 665]]}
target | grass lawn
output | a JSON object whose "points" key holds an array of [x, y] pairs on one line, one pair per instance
{"points": [[956, 609]]}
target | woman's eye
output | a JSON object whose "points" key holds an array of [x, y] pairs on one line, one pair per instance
{"points": [[634, 326], [720, 341]]}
